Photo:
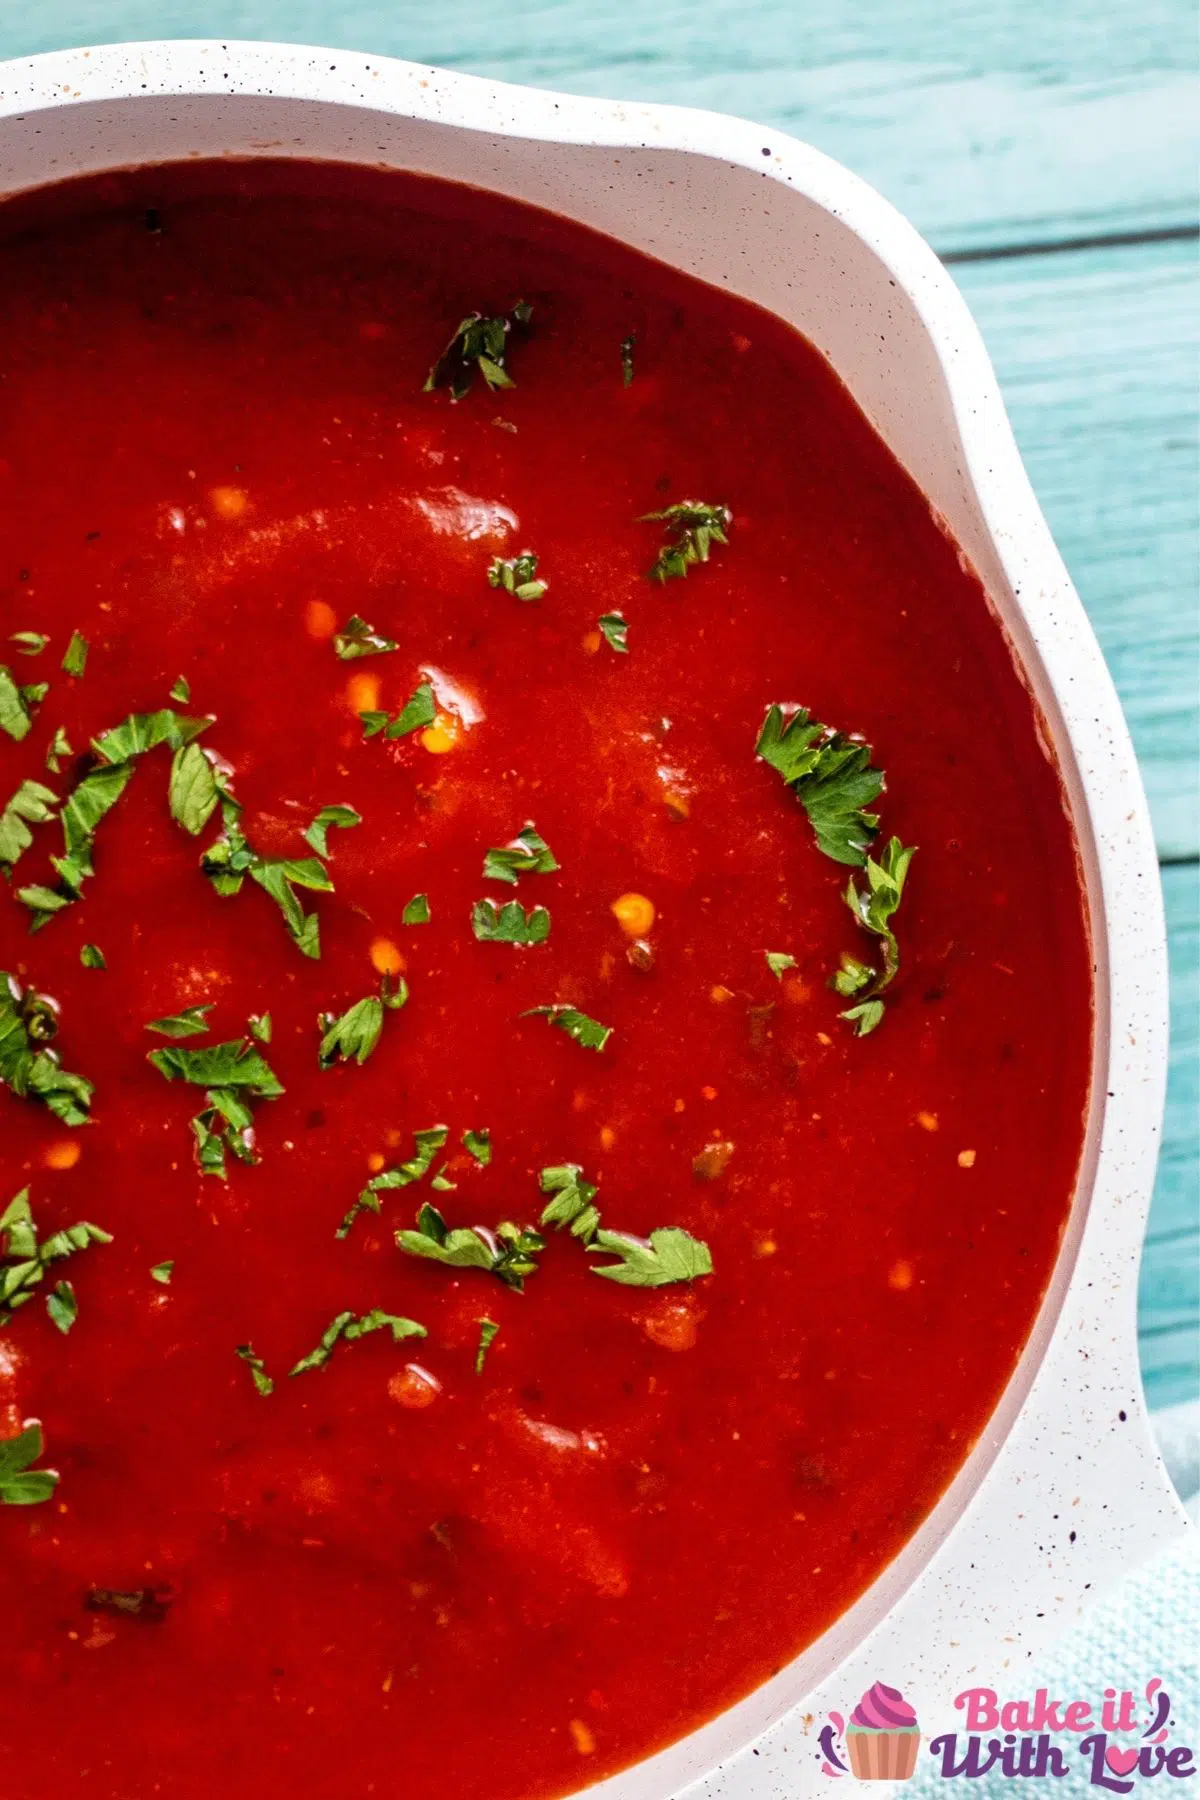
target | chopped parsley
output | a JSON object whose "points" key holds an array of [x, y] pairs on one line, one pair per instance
{"points": [[235, 1074], [669, 1255], [427, 1143], [32, 804], [62, 1306], [573, 1204], [588, 1032], [29, 643], [231, 857], [193, 792], [832, 777], [489, 1331], [615, 632], [779, 962], [517, 575], [95, 794], [180, 691], [17, 704], [92, 956], [356, 1032], [25, 1258], [874, 905], [508, 1252], [510, 923], [357, 638], [60, 748], [627, 349], [260, 1027], [163, 1271], [258, 1369], [19, 1484], [526, 854], [479, 1145], [478, 344], [318, 832], [191, 1022], [418, 710], [695, 528], [417, 911], [74, 661], [28, 1067], [345, 1327]]}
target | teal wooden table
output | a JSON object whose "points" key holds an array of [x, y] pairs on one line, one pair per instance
{"points": [[1047, 151]]}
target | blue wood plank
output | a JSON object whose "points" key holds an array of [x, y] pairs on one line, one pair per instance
{"points": [[1095, 352], [985, 124], [1169, 1296]]}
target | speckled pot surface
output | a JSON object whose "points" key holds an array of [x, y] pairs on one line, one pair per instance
{"points": [[1064, 1491]]}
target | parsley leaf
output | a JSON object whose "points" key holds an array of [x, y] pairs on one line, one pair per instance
{"points": [[74, 661], [260, 1027], [30, 805], [357, 638], [318, 832], [232, 857], [357, 1031], [509, 924], [346, 1326], [668, 1255], [62, 1306], [258, 1368], [509, 1252], [573, 1200], [526, 854], [489, 1331], [517, 575], [235, 1064], [191, 1022], [180, 691], [234, 1074], [479, 1145], [19, 1484], [29, 643], [96, 794], [627, 349], [779, 963], [831, 776], [616, 632], [696, 527], [25, 1258], [588, 1032], [874, 906], [418, 710], [92, 956], [163, 1271], [428, 1143], [478, 344], [192, 794], [17, 704], [59, 748], [417, 911], [27, 1066]]}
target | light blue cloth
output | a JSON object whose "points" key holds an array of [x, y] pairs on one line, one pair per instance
{"points": [[1150, 1626]]}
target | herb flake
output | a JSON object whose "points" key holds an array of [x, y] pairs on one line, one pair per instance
{"points": [[586, 1031], [517, 575], [21, 1485], [615, 632], [526, 854], [695, 528], [510, 923], [357, 638], [667, 1256], [479, 345]]}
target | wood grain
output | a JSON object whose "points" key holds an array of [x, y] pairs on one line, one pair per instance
{"points": [[1091, 351]]}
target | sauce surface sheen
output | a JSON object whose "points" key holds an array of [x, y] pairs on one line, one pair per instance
{"points": [[214, 444]]}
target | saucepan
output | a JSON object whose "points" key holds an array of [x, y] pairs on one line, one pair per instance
{"points": [[1064, 1491]]}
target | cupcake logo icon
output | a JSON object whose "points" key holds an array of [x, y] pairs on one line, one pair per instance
{"points": [[879, 1741]]}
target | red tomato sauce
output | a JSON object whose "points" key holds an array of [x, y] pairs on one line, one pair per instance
{"points": [[394, 1575]]}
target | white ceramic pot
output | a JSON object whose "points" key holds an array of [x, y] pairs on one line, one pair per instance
{"points": [[1064, 1491]]}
